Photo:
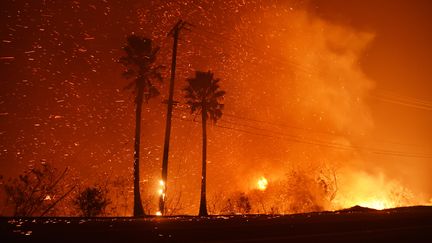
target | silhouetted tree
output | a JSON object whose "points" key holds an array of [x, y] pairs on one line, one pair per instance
{"points": [[203, 96], [92, 201], [37, 191], [139, 62]]}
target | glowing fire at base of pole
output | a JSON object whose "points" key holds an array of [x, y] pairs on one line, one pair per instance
{"points": [[162, 189], [162, 194]]}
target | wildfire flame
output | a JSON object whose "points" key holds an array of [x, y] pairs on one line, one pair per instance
{"points": [[161, 190], [376, 204], [158, 213], [373, 191], [262, 183]]}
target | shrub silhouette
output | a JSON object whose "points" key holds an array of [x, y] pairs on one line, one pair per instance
{"points": [[92, 201]]}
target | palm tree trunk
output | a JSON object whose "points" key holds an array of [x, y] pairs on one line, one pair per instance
{"points": [[138, 208], [203, 201]]}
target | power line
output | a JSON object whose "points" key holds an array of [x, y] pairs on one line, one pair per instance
{"points": [[407, 104], [405, 101], [290, 126], [333, 134], [270, 123], [292, 138], [406, 98]]}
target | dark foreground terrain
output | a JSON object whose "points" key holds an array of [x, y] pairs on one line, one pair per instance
{"points": [[411, 224]]}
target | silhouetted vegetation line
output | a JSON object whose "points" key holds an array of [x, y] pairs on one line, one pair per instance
{"points": [[203, 95], [139, 62]]}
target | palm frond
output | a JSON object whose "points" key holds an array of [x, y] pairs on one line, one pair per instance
{"points": [[219, 94], [202, 92], [139, 61]]}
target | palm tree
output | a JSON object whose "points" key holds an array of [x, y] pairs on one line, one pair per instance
{"points": [[203, 96], [139, 63]]}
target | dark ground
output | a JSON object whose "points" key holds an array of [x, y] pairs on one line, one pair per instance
{"points": [[411, 224]]}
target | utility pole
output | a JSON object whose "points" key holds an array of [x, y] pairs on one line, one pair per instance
{"points": [[174, 32]]}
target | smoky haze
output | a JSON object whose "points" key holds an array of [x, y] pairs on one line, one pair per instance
{"points": [[297, 109]]}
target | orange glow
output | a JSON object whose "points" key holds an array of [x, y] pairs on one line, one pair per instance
{"points": [[262, 183], [320, 112], [161, 190], [373, 191], [376, 204]]}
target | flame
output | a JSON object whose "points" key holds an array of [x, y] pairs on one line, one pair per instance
{"points": [[161, 190], [374, 203], [262, 183], [158, 213], [373, 191], [378, 204]]}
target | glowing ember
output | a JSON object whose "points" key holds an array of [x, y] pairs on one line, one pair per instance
{"points": [[262, 183]]}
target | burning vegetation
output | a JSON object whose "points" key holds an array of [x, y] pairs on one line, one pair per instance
{"points": [[294, 133]]}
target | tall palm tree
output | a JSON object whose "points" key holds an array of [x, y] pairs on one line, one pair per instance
{"points": [[139, 63], [203, 96]]}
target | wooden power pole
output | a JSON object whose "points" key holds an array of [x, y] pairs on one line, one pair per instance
{"points": [[163, 183]]}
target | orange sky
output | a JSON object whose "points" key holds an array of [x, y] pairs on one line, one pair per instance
{"points": [[301, 78]]}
